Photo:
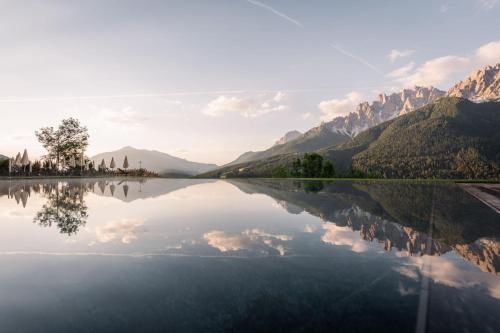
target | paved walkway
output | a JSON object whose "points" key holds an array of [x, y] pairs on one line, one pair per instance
{"points": [[487, 193]]}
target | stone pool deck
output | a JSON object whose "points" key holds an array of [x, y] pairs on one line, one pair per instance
{"points": [[489, 194]]}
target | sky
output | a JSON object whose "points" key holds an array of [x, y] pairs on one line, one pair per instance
{"points": [[208, 80]]}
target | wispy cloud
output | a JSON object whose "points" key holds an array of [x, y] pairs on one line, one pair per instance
{"points": [[165, 94], [124, 118], [357, 58], [276, 12], [402, 71], [487, 4], [397, 54], [299, 24]]}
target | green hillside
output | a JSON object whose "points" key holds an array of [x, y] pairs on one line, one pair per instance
{"points": [[451, 138], [317, 138]]}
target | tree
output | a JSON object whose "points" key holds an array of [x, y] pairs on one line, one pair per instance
{"points": [[312, 165], [328, 170], [297, 168], [469, 163], [70, 139]]}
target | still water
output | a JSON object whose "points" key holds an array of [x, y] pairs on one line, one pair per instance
{"points": [[155, 255]]}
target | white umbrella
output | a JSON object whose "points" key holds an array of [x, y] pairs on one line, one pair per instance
{"points": [[125, 163], [31, 167], [25, 160], [10, 165], [81, 161], [112, 165], [17, 161], [50, 164]]}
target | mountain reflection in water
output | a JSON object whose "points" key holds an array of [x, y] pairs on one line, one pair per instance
{"points": [[396, 215]]}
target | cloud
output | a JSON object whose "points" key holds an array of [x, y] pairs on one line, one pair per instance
{"points": [[246, 107], [402, 71], [280, 96], [309, 228], [487, 4], [440, 70], [250, 239], [343, 236], [488, 54], [436, 71], [406, 291], [447, 271], [124, 230], [397, 54], [274, 11], [306, 115], [339, 107], [125, 117], [173, 101]]}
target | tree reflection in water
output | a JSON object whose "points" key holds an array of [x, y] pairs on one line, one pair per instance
{"points": [[65, 207]]}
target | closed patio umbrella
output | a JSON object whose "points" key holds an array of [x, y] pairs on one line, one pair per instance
{"points": [[25, 161], [103, 165], [125, 163], [112, 165], [17, 161]]}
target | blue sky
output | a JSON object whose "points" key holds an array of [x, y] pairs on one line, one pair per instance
{"points": [[208, 80]]}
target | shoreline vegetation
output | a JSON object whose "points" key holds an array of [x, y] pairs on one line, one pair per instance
{"points": [[321, 179], [66, 147]]}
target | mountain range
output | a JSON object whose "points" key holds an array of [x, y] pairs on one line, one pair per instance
{"points": [[449, 137], [481, 85], [152, 160], [341, 129]]}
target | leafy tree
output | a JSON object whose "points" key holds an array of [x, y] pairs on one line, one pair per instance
{"points": [[281, 172], [69, 139], [328, 170], [297, 168], [470, 164], [312, 165]]}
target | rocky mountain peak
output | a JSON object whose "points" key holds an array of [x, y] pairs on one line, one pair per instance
{"points": [[289, 136], [386, 107], [481, 85]]}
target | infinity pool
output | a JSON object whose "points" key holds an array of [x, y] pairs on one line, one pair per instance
{"points": [[157, 255]]}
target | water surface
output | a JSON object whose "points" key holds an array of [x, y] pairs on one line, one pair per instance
{"points": [[246, 256]]}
